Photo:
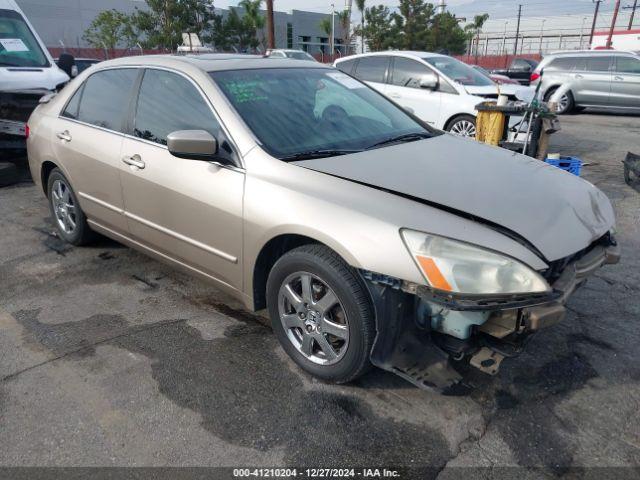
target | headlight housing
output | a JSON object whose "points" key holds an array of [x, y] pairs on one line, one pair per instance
{"points": [[458, 267]]}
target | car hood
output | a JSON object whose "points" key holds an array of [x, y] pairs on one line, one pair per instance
{"points": [[47, 78], [556, 212], [519, 91]]}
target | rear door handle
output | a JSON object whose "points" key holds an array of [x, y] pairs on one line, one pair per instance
{"points": [[579, 76], [619, 78], [65, 136], [394, 95], [134, 161]]}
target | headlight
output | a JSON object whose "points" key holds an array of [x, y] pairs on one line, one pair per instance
{"points": [[459, 267]]}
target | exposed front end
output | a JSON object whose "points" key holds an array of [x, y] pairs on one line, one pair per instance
{"points": [[424, 331]]}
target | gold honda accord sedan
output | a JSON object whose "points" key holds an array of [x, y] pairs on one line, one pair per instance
{"points": [[370, 237]]}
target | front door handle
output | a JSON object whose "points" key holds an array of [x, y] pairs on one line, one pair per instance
{"points": [[134, 161], [394, 95], [619, 78], [579, 76], [64, 136]]}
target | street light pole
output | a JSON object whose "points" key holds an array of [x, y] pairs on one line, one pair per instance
{"points": [[333, 30], [542, 33], [584, 19]]}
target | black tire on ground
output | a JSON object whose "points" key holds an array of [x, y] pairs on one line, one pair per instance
{"points": [[8, 174], [570, 106], [461, 121], [331, 269], [81, 234]]}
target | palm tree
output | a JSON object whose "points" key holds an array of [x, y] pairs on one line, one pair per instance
{"points": [[344, 18], [326, 27], [475, 27], [360, 4], [252, 15]]}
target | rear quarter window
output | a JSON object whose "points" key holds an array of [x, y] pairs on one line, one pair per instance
{"points": [[346, 66]]}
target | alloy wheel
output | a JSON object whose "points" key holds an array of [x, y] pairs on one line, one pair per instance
{"points": [[64, 207], [464, 128], [313, 318]]}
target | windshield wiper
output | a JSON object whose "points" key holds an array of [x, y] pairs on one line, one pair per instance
{"points": [[407, 137], [310, 154]]}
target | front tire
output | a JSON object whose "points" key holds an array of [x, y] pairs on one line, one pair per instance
{"points": [[68, 217], [321, 313], [566, 104], [463, 125]]}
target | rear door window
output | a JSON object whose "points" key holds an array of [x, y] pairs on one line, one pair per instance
{"points": [[627, 65], [106, 96], [599, 64], [346, 66], [372, 69], [168, 102], [565, 64]]}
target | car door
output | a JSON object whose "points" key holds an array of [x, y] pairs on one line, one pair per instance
{"points": [[187, 210], [625, 87], [404, 89], [373, 71], [88, 137], [594, 82]]}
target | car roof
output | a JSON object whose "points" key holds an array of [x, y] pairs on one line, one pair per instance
{"points": [[212, 62], [395, 53], [577, 53]]}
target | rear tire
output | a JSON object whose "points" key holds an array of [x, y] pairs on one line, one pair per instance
{"points": [[462, 125], [68, 217], [332, 343]]}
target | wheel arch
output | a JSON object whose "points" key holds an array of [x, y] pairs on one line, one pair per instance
{"points": [[45, 170], [276, 247]]}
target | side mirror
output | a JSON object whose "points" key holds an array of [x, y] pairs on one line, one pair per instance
{"points": [[192, 144], [429, 81]]}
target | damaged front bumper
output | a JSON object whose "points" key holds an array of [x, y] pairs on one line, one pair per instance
{"points": [[420, 332]]}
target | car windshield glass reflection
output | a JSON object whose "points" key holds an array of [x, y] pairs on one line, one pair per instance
{"points": [[310, 113]]}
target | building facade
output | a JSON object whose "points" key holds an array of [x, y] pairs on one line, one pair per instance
{"points": [[62, 23]]}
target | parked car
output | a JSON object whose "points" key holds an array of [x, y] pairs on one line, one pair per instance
{"points": [[519, 70], [369, 236], [594, 78], [438, 89], [287, 53], [27, 72], [499, 79]]}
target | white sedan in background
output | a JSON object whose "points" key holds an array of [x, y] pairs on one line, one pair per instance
{"points": [[438, 89]]}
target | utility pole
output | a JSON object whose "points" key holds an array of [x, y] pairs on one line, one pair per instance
{"points": [[595, 19], [271, 36], [333, 31], [613, 23], [633, 13], [515, 48]]}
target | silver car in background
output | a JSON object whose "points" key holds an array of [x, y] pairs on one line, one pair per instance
{"points": [[595, 78]]}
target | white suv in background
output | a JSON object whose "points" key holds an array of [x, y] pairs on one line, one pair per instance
{"points": [[438, 89]]}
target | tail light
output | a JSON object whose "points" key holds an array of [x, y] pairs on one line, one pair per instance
{"points": [[26, 130], [535, 76]]}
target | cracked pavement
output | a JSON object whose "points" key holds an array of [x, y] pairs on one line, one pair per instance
{"points": [[109, 358]]}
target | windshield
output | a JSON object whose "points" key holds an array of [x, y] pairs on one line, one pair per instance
{"points": [[297, 110], [18, 46], [459, 72]]}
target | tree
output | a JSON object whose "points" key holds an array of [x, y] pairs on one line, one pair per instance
{"points": [[344, 18], [253, 20], [377, 28], [326, 27], [109, 29], [360, 5], [474, 28], [414, 26], [164, 21]]}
